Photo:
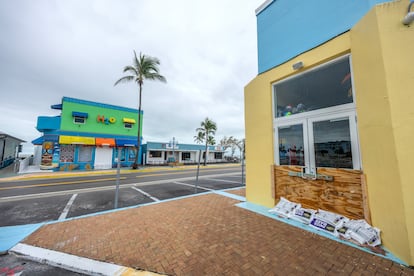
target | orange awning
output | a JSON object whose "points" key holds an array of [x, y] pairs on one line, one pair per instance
{"points": [[105, 142]]}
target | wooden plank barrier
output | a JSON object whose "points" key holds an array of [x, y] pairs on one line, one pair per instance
{"points": [[345, 195]]}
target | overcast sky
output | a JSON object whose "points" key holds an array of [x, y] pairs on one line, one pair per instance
{"points": [[78, 48]]}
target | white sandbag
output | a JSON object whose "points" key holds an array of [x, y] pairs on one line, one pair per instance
{"points": [[328, 222], [362, 232], [284, 208], [303, 215]]}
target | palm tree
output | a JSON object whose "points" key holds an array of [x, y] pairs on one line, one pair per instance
{"points": [[143, 68], [199, 138], [207, 131]]}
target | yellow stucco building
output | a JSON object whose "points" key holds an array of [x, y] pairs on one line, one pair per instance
{"points": [[330, 116]]}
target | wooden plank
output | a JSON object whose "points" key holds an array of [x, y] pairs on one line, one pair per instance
{"points": [[365, 203], [343, 195]]}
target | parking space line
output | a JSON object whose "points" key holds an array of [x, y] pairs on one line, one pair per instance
{"points": [[198, 187], [145, 193], [222, 180], [67, 207]]}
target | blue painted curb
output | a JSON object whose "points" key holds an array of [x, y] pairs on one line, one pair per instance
{"points": [[12, 235]]}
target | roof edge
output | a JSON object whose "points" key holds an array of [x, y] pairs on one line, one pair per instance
{"points": [[263, 6]]}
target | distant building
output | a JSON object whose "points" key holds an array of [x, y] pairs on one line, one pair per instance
{"points": [[9, 148], [155, 153], [86, 135]]}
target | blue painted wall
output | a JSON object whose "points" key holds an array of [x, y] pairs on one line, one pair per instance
{"points": [[287, 28]]}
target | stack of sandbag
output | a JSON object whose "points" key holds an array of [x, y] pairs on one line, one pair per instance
{"points": [[361, 232], [329, 222]]}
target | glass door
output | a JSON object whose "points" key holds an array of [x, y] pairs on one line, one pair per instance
{"points": [[329, 141], [292, 145], [333, 141]]}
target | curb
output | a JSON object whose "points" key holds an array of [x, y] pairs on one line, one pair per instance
{"points": [[12, 235], [75, 263]]}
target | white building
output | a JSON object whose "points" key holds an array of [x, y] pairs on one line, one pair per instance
{"points": [[156, 153]]}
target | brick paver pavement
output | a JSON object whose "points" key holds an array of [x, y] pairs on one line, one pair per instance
{"points": [[207, 235]]}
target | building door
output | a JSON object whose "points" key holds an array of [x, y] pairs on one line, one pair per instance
{"points": [[329, 141], [103, 158]]}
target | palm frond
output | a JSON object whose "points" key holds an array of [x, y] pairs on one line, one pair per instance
{"points": [[124, 79], [131, 69]]}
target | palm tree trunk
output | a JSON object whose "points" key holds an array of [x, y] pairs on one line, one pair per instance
{"points": [[205, 156], [135, 165]]}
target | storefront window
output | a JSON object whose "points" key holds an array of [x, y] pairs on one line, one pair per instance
{"points": [[315, 119], [85, 154], [122, 157], [155, 154], [185, 156], [131, 154], [218, 155], [326, 86], [67, 153]]}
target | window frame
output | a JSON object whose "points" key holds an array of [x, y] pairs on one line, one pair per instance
{"points": [[308, 118], [151, 153], [186, 155], [77, 122], [81, 154], [218, 153]]}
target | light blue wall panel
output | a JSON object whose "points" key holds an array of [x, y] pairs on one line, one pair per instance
{"points": [[287, 28]]}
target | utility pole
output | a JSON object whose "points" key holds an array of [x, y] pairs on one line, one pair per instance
{"points": [[198, 171], [118, 169]]}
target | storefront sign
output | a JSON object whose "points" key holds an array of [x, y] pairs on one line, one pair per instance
{"points": [[106, 121]]}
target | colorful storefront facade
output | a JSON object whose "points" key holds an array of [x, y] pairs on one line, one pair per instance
{"points": [[156, 153], [87, 135], [329, 118]]}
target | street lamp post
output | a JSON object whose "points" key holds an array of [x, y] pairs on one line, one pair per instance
{"points": [[173, 145]]}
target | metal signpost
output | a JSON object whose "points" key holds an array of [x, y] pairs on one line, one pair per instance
{"points": [[198, 172], [118, 169]]}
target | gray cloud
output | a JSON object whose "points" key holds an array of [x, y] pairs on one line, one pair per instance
{"points": [[51, 49]]}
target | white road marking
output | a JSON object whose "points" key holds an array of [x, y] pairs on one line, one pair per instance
{"points": [[191, 185], [222, 180], [67, 207], [145, 193]]}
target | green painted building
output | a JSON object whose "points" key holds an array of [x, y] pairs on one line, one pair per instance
{"points": [[87, 135]]}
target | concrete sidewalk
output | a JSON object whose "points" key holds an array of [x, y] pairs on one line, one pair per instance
{"points": [[208, 234]]}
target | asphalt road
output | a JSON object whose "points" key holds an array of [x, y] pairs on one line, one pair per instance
{"points": [[47, 199]]}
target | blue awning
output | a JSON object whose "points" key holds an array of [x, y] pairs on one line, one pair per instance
{"points": [[79, 114], [38, 141], [56, 106], [45, 138], [122, 142]]}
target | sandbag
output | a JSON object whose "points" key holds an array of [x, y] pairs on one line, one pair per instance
{"points": [[303, 215], [328, 222], [284, 208], [361, 232]]}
